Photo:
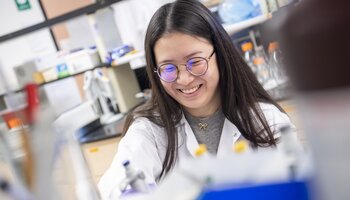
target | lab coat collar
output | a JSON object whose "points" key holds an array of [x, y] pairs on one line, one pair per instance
{"points": [[229, 136]]}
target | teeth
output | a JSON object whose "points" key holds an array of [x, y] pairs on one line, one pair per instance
{"points": [[189, 91]]}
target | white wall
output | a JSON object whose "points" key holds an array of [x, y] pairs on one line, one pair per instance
{"points": [[132, 18], [16, 51]]}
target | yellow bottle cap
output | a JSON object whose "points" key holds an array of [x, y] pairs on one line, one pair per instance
{"points": [[240, 146], [202, 149]]}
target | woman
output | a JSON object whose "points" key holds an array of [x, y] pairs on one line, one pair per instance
{"points": [[202, 92]]}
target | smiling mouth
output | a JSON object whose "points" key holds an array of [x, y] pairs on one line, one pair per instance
{"points": [[191, 90]]}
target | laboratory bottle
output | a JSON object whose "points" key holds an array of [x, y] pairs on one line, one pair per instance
{"points": [[248, 54], [277, 71], [202, 151], [262, 68], [240, 147], [134, 178]]}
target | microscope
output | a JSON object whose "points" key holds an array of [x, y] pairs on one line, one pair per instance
{"points": [[97, 88]]}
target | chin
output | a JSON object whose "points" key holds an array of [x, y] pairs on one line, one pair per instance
{"points": [[193, 106]]}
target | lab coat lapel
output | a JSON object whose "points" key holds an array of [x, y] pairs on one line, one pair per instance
{"points": [[229, 136], [191, 141]]}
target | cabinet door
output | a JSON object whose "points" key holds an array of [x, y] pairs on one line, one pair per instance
{"points": [[99, 156]]}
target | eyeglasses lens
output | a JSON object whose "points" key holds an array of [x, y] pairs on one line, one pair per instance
{"points": [[196, 66], [168, 72]]}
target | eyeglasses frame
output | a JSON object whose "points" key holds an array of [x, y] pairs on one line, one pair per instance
{"points": [[177, 67]]}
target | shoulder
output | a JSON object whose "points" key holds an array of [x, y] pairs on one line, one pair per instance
{"points": [[141, 126], [270, 111], [275, 117]]}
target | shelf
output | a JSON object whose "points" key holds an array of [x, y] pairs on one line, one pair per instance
{"points": [[233, 28], [136, 60], [98, 66], [45, 83]]}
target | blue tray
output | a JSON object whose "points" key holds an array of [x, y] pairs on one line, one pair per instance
{"points": [[276, 191]]}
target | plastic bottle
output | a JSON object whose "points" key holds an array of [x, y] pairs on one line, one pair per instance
{"points": [[262, 67], [248, 54], [201, 151], [262, 71], [240, 146], [277, 71]]}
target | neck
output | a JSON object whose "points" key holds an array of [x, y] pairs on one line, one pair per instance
{"points": [[211, 107], [203, 112]]}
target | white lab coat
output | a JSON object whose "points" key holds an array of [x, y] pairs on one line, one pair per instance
{"points": [[145, 145]]}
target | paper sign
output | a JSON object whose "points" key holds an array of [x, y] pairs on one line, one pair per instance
{"points": [[22, 4]]}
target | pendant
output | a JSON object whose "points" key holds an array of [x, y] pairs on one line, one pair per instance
{"points": [[202, 126]]}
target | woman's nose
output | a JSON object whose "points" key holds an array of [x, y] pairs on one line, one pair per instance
{"points": [[184, 76]]}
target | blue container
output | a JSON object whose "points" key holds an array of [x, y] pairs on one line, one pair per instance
{"points": [[233, 11], [276, 191]]}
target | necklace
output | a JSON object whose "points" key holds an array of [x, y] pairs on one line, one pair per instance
{"points": [[202, 126]]}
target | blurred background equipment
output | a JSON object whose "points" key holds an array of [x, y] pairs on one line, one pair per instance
{"points": [[98, 89], [233, 11]]}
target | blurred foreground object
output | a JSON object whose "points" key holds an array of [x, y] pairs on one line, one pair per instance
{"points": [[315, 39], [316, 43]]}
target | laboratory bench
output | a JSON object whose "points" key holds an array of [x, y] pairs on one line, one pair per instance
{"points": [[99, 155]]}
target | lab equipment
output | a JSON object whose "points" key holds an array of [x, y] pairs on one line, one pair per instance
{"points": [[241, 146], [272, 191], [82, 60], [233, 11], [231, 174], [97, 87], [248, 54], [120, 51], [277, 72], [262, 69], [134, 178], [201, 151], [292, 149]]}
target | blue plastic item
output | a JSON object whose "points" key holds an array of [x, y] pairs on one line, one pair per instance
{"points": [[233, 11], [276, 191]]}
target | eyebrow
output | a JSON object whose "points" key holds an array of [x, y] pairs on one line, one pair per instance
{"points": [[186, 57]]}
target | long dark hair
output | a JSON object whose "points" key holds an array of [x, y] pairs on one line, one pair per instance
{"points": [[240, 89]]}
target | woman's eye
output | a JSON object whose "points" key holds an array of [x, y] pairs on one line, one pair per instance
{"points": [[195, 62], [169, 68]]}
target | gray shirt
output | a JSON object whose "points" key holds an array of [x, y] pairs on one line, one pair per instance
{"points": [[207, 130]]}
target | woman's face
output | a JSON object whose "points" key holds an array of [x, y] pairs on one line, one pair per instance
{"points": [[199, 95]]}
